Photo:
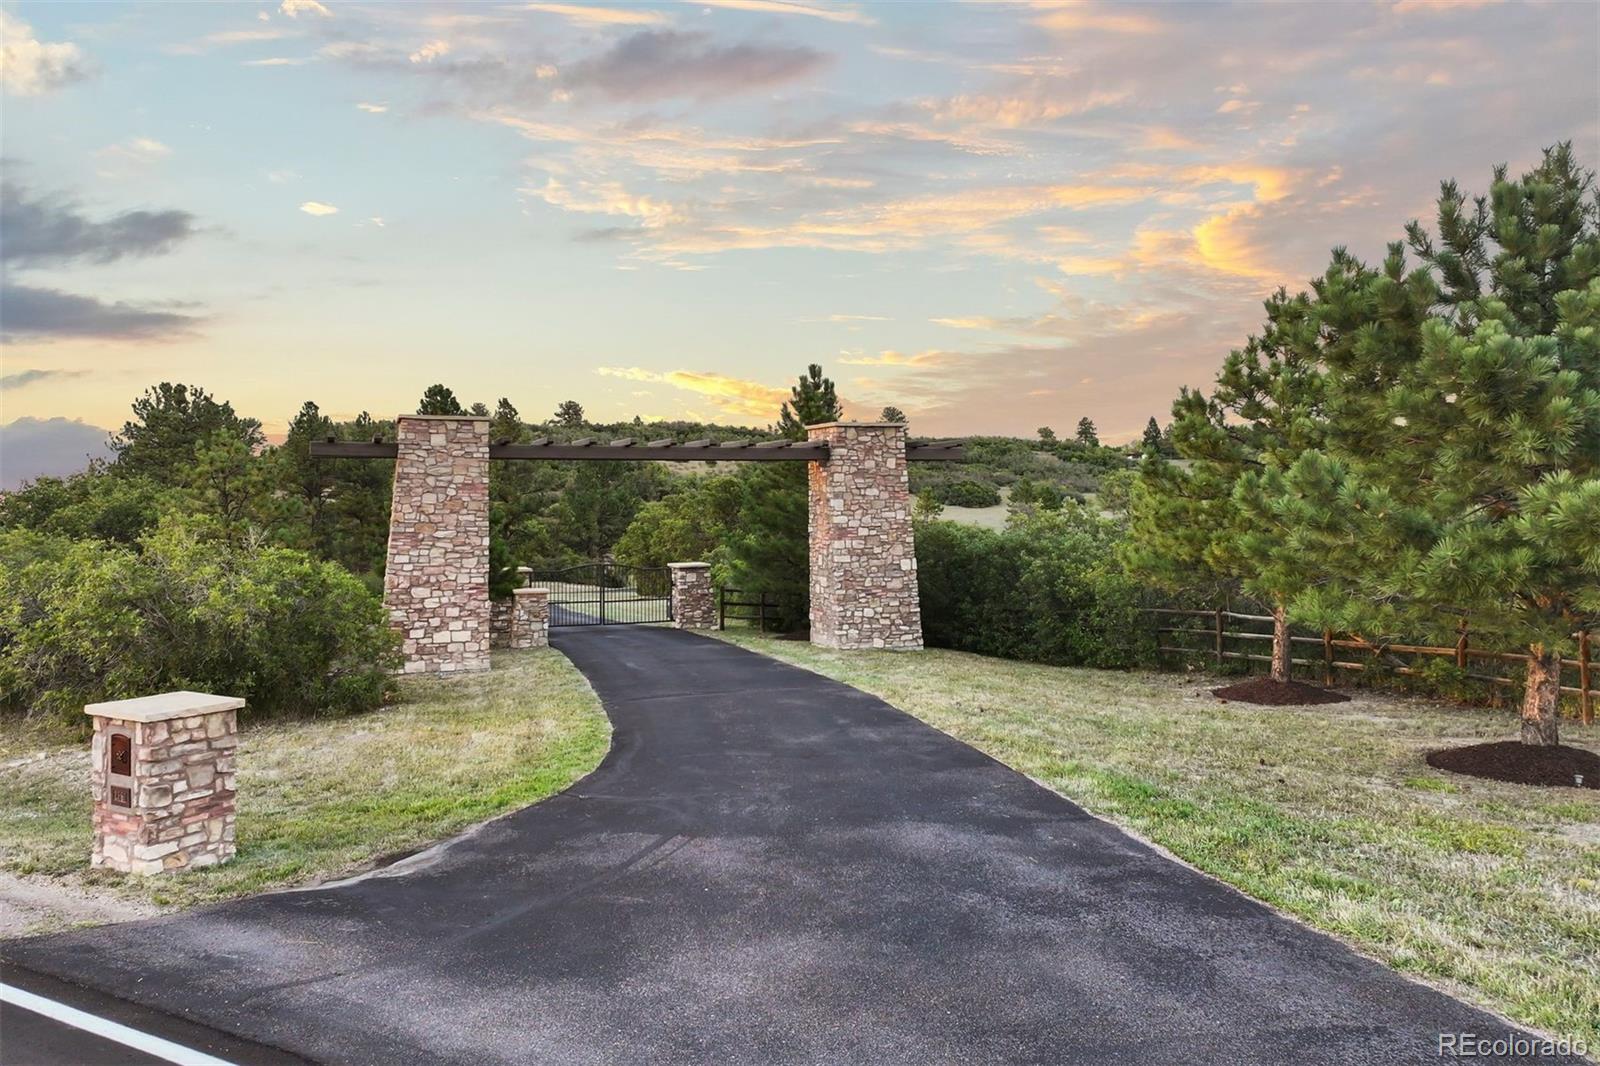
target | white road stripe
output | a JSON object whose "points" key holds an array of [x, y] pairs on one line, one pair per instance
{"points": [[89, 1023]]}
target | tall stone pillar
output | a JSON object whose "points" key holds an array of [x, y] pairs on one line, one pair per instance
{"points": [[436, 584], [863, 565]]}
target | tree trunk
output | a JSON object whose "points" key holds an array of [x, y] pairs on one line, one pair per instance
{"points": [[1541, 698], [1280, 643]]}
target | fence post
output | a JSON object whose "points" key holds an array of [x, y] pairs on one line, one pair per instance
{"points": [[1327, 657], [1461, 645], [722, 608], [1219, 638], [1585, 701]]}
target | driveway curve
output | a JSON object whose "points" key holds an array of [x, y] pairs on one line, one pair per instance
{"points": [[770, 866]]}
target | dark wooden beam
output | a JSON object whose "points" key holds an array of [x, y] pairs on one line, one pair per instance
{"points": [[694, 451]]}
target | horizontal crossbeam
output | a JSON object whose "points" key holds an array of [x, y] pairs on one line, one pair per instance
{"points": [[692, 452]]}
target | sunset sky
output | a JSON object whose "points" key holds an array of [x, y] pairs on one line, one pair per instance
{"points": [[993, 216]]}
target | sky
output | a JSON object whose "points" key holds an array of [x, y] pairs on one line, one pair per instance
{"points": [[993, 216]]}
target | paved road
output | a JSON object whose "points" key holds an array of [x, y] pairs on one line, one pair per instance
{"points": [[771, 867]]}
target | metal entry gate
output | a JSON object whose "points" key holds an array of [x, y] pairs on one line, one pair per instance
{"points": [[606, 594]]}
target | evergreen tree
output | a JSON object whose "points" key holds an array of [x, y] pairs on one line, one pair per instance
{"points": [[892, 414], [1150, 443], [1047, 435], [569, 413], [812, 401], [1463, 479], [1208, 527], [306, 480], [507, 423], [1086, 434], [169, 422], [438, 400], [479, 410]]}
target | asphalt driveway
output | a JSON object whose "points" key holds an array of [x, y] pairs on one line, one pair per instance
{"points": [[771, 867]]}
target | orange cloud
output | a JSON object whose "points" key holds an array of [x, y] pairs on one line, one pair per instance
{"points": [[731, 395]]}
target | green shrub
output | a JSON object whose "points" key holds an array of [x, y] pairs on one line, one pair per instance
{"points": [[1046, 589], [84, 621], [967, 493]]}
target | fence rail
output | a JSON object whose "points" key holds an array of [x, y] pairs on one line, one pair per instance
{"points": [[1218, 634], [748, 607]]}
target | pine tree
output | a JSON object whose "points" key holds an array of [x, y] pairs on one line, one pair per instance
{"points": [[892, 414], [1086, 434], [438, 400], [1213, 524], [507, 423], [1047, 435], [569, 413], [169, 422], [812, 401], [309, 481], [1465, 468], [1150, 443]]}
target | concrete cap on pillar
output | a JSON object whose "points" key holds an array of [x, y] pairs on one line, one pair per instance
{"points": [[164, 706], [688, 566]]}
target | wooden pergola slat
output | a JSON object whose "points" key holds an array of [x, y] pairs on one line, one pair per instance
{"points": [[628, 450]]}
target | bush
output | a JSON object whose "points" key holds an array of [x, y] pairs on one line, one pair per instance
{"points": [[967, 493], [1046, 589], [86, 621]]}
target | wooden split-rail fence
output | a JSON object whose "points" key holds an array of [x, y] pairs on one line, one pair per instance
{"points": [[1217, 636]]}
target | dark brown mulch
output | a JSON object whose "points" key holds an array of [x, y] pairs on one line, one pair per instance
{"points": [[1272, 693], [1523, 764]]}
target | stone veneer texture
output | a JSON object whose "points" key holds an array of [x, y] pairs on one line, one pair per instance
{"points": [[436, 584], [863, 562], [694, 604], [181, 807], [530, 619]]}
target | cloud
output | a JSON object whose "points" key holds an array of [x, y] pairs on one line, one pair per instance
{"points": [[373, 109], [295, 8], [1075, 16], [734, 396], [35, 231], [28, 313], [430, 51], [29, 67], [277, 61], [129, 157], [657, 64], [316, 207], [827, 12], [23, 378], [228, 38], [600, 16], [48, 447], [890, 357]]}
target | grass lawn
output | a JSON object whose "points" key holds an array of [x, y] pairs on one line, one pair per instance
{"points": [[318, 798], [1329, 813]]}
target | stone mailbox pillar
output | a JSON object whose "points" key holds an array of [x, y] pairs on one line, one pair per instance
{"points": [[162, 776], [530, 619], [863, 562], [694, 604], [436, 581]]}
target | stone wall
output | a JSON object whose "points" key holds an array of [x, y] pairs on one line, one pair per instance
{"points": [[694, 603], [530, 619], [500, 612], [436, 584], [163, 795], [863, 561]]}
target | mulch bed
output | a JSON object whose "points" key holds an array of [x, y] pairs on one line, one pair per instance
{"points": [[1523, 764], [1272, 693]]}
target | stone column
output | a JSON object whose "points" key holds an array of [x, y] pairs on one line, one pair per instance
{"points": [[436, 584], [530, 619], [863, 565], [161, 774], [694, 605]]}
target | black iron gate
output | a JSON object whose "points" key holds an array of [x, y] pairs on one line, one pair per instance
{"points": [[606, 594]]}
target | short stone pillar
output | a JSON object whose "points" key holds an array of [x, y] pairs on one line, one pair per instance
{"points": [[694, 604], [162, 777], [863, 561], [530, 619], [436, 582]]}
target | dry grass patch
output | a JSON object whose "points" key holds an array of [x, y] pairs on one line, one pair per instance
{"points": [[1329, 813], [321, 798]]}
